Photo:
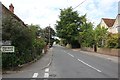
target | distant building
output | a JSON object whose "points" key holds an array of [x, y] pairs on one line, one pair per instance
{"points": [[113, 25]]}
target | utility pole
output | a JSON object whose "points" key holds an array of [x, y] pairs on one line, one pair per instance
{"points": [[49, 35]]}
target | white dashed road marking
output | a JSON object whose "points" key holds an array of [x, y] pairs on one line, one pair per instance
{"points": [[47, 70], [89, 65], [46, 75], [35, 75], [71, 55], [85, 63]]}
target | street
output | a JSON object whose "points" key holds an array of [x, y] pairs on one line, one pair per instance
{"points": [[66, 63]]}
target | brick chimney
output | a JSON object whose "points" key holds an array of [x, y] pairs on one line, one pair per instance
{"points": [[11, 8]]}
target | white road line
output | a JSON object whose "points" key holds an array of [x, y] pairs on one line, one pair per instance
{"points": [[47, 70], [46, 75], [35, 75], [89, 65], [71, 55]]}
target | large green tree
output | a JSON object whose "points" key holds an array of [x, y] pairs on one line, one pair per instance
{"points": [[86, 35], [68, 25]]}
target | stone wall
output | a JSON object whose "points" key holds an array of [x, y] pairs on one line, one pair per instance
{"points": [[106, 51]]}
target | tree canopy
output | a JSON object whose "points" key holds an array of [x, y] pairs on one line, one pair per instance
{"points": [[72, 27]]}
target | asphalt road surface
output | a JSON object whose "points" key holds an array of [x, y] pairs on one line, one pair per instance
{"points": [[66, 63]]}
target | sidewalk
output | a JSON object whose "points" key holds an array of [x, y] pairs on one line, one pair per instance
{"points": [[40, 64], [111, 58]]}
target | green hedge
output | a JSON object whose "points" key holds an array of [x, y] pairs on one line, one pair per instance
{"points": [[27, 46]]}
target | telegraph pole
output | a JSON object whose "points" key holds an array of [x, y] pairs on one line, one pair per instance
{"points": [[49, 35]]}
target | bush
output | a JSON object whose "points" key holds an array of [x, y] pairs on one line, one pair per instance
{"points": [[112, 41], [27, 46]]}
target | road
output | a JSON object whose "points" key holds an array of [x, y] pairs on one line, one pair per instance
{"points": [[73, 64], [66, 63]]}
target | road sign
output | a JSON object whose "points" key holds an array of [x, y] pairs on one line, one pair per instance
{"points": [[6, 43], [8, 49]]}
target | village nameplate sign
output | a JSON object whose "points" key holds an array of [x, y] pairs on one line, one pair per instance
{"points": [[6, 47]]}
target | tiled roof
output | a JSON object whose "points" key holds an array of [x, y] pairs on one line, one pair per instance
{"points": [[109, 22]]}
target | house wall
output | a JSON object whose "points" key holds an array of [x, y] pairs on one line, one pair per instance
{"points": [[8, 14], [102, 24], [116, 26]]}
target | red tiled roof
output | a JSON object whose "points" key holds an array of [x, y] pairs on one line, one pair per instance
{"points": [[109, 22]]}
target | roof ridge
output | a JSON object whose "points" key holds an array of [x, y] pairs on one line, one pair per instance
{"points": [[109, 18]]}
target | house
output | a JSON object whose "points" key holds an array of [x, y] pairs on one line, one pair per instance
{"points": [[117, 24], [113, 25], [10, 13]]}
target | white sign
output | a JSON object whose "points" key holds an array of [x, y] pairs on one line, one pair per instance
{"points": [[7, 48], [6, 42]]}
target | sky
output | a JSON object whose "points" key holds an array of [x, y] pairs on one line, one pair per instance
{"points": [[46, 12]]}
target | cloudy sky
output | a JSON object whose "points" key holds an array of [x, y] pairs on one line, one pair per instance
{"points": [[45, 12]]}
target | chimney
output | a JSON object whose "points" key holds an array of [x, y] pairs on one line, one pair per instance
{"points": [[11, 8]]}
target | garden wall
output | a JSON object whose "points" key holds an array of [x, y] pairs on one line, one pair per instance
{"points": [[106, 51]]}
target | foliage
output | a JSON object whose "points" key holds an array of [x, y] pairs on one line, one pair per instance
{"points": [[49, 33], [57, 41], [100, 36], [27, 46], [72, 28], [68, 25], [112, 41], [86, 34]]}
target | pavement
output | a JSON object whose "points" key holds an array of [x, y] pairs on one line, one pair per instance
{"points": [[30, 70], [61, 62]]}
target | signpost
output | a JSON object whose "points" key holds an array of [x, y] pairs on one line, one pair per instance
{"points": [[7, 48]]}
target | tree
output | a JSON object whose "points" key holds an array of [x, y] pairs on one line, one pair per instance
{"points": [[27, 45], [112, 41], [20, 37], [68, 25], [100, 35], [86, 33]]}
